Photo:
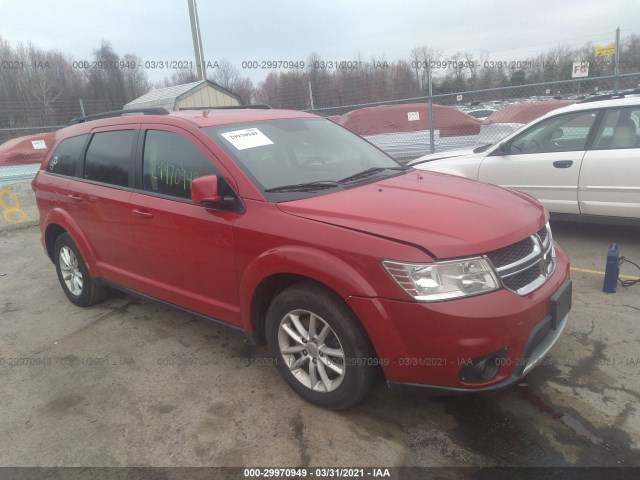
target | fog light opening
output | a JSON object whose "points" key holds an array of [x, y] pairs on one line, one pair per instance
{"points": [[490, 368], [483, 369]]}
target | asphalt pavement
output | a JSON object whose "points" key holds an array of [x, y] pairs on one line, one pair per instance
{"points": [[132, 383]]}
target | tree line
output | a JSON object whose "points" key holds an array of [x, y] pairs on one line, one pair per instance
{"points": [[41, 87]]}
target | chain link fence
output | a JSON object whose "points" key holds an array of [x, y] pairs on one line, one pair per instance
{"points": [[412, 127], [27, 131], [22, 150], [406, 128]]}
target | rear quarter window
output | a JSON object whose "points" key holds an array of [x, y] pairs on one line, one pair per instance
{"points": [[109, 158], [64, 160]]}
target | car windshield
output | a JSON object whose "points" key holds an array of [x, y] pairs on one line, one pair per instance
{"points": [[302, 154]]}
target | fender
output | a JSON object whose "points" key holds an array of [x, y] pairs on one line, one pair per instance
{"points": [[60, 217], [300, 260]]}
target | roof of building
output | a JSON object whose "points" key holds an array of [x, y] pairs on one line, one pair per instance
{"points": [[168, 96]]}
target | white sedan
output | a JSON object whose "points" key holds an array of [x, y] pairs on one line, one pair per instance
{"points": [[581, 161]]}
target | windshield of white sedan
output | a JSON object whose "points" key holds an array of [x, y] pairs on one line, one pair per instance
{"points": [[301, 154]]}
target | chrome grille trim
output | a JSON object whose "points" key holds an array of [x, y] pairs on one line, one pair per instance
{"points": [[539, 263]]}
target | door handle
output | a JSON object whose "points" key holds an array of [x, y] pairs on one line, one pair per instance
{"points": [[142, 214], [75, 197], [563, 163]]}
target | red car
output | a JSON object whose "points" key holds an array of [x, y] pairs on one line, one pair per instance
{"points": [[306, 237], [26, 150]]}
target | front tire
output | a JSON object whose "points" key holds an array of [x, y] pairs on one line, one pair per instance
{"points": [[73, 274], [319, 347]]}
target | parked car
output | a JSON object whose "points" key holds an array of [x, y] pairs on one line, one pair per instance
{"points": [[581, 161], [20, 157], [26, 150], [294, 230], [525, 112], [402, 130]]}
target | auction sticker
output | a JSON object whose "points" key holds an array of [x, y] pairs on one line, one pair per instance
{"points": [[38, 144], [247, 138]]}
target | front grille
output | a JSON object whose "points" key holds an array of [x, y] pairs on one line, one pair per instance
{"points": [[522, 279], [512, 253], [525, 265]]}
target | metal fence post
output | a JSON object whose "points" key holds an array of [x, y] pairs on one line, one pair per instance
{"points": [[616, 62], [431, 132]]}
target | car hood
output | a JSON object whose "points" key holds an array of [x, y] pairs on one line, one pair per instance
{"points": [[444, 215], [462, 152]]}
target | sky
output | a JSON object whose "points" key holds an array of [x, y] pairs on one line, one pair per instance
{"points": [[289, 30]]}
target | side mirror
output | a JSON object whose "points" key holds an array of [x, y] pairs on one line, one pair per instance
{"points": [[204, 191], [503, 148]]}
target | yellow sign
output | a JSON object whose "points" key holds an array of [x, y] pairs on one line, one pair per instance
{"points": [[603, 50]]}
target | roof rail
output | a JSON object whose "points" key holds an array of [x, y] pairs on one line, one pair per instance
{"points": [[119, 113], [255, 106], [610, 96]]}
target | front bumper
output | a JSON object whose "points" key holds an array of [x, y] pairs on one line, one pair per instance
{"points": [[428, 345], [535, 355]]}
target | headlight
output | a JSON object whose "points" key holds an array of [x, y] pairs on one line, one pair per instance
{"points": [[430, 282]]}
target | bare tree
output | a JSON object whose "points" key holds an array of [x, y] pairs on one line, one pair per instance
{"points": [[136, 81], [421, 57], [245, 89], [180, 77], [417, 60], [226, 74], [45, 92], [268, 91], [40, 86]]}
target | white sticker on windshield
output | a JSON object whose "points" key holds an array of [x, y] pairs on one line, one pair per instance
{"points": [[38, 144], [247, 138], [413, 116]]}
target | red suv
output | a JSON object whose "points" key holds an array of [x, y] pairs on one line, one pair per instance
{"points": [[306, 237]]}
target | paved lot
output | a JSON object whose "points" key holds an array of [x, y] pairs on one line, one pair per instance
{"points": [[133, 383]]}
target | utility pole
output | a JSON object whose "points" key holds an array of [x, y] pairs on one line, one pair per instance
{"points": [[311, 96], [197, 39]]}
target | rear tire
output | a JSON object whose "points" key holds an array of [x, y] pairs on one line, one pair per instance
{"points": [[320, 347], [73, 275]]}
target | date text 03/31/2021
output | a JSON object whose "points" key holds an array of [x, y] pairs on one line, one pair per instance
{"points": [[316, 472]]}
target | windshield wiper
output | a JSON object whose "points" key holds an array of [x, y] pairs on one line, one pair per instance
{"points": [[304, 187], [368, 172]]}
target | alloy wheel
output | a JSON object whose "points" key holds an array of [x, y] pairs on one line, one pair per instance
{"points": [[312, 351], [71, 273]]}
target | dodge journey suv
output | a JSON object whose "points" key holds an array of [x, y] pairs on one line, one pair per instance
{"points": [[306, 237]]}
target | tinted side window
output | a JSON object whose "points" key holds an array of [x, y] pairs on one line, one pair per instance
{"points": [[65, 158], [109, 157], [171, 162]]}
